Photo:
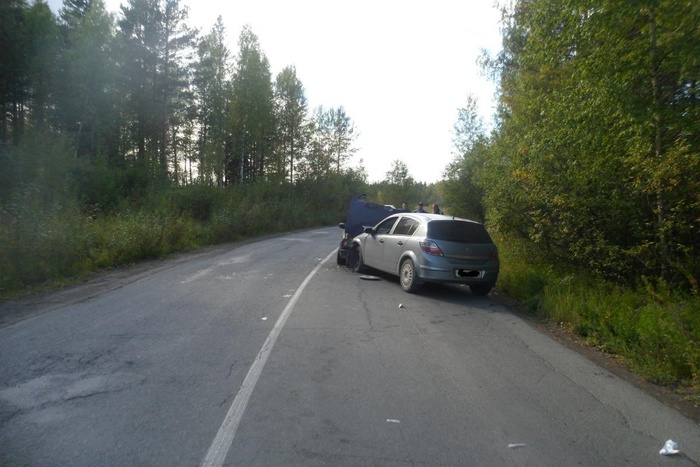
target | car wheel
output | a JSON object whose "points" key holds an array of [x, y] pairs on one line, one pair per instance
{"points": [[356, 262], [481, 289], [408, 277], [340, 259]]}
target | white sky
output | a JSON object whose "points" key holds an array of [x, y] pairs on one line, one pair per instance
{"points": [[401, 69]]}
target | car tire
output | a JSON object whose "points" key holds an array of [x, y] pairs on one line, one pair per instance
{"points": [[356, 262], [407, 276], [340, 259], [481, 289]]}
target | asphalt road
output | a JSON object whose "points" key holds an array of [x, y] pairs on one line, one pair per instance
{"points": [[269, 354]]}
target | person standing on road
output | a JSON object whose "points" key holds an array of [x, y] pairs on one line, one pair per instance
{"points": [[420, 207], [436, 209]]}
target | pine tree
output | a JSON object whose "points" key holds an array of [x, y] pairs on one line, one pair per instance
{"points": [[292, 127], [212, 84], [252, 111]]}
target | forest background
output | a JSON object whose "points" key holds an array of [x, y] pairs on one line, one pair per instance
{"points": [[133, 136]]}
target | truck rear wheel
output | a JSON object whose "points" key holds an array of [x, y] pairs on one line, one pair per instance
{"points": [[340, 259], [356, 263]]}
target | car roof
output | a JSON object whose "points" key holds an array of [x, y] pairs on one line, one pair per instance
{"points": [[434, 217]]}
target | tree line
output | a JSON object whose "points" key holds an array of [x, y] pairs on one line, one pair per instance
{"points": [[595, 154], [143, 99], [592, 159]]}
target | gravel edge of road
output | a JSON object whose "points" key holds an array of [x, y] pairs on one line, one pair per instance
{"points": [[14, 311], [612, 363]]}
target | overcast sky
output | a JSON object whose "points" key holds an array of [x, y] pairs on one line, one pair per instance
{"points": [[401, 69]]}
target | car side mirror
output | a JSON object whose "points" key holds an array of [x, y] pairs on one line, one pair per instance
{"points": [[342, 225], [369, 230]]}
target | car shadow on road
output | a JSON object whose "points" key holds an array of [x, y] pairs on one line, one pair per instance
{"points": [[455, 294]]}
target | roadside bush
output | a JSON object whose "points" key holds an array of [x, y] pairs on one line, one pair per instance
{"points": [[42, 241], [132, 236], [196, 201], [39, 243], [652, 327], [96, 186], [523, 275]]}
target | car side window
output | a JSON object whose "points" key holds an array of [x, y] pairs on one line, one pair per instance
{"points": [[406, 226], [414, 227], [385, 226]]}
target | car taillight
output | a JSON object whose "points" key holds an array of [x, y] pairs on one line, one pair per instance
{"points": [[494, 253], [430, 248]]}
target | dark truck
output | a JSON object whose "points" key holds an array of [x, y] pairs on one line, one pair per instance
{"points": [[361, 214]]}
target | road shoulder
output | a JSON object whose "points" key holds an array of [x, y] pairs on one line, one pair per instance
{"points": [[668, 396]]}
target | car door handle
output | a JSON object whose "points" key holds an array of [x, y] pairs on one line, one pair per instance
{"points": [[381, 240], [399, 243]]}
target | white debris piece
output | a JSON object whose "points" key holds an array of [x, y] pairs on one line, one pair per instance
{"points": [[516, 445], [369, 278], [670, 448], [400, 305]]}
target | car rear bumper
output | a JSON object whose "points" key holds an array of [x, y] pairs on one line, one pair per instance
{"points": [[459, 274]]}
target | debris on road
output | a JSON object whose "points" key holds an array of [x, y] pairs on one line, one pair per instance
{"points": [[369, 278], [400, 305], [517, 445], [670, 448]]}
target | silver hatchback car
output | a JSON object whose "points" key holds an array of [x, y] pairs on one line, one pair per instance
{"points": [[428, 248]]}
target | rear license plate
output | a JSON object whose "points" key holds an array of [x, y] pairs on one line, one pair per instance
{"points": [[467, 273]]}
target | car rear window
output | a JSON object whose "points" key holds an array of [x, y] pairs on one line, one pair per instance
{"points": [[458, 231]]}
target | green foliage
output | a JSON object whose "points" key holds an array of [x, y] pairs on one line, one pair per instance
{"points": [[196, 201], [97, 187], [211, 82], [40, 164], [653, 328], [83, 105], [463, 189], [136, 235], [14, 63], [127, 94], [398, 187], [293, 128], [39, 241], [252, 118], [9, 175], [524, 272], [44, 241], [595, 158], [659, 337]]}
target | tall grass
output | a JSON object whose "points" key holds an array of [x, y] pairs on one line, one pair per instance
{"points": [[655, 329], [37, 244], [47, 244]]}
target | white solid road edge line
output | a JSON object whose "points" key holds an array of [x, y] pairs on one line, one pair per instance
{"points": [[216, 455]]}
